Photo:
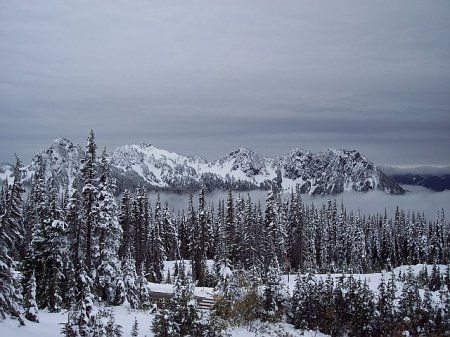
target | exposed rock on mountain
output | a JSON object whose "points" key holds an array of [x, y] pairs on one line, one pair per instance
{"points": [[327, 172]]}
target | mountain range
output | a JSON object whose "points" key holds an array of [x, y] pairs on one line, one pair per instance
{"points": [[436, 178], [326, 172]]}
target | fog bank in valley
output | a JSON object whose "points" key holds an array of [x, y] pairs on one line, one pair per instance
{"points": [[417, 199]]}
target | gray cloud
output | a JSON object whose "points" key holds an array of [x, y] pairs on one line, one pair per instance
{"points": [[206, 77]]}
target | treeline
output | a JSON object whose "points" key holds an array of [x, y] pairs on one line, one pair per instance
{"points": [[408, 304], [78, 245], [302, 237]]}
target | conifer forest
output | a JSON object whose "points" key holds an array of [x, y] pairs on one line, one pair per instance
{"points": [[73, 249], [258, 169]]}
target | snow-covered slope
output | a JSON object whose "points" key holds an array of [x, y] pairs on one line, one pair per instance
{"points": [[62, 160], [158, 167], [5, 171], [326, 172], [334, 171]]}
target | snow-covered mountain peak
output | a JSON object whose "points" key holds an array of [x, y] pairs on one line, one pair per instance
{"points": [[342, 153], [298, 153], [147, 152], [247, 161], [329, 171], [62, 160], [61, 141]]}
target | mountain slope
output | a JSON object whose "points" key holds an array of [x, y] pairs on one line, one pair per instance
{"points": [[436, 178], [62, 160], [326, 172]]}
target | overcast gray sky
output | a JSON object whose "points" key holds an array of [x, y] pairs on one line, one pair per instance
{"points": [[206, 77]]}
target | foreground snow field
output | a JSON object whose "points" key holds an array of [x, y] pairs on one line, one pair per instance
{"points": [[50, 323], [50, 326]]}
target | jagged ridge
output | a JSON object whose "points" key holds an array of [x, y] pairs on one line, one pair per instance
{"points": [[326, 172]]}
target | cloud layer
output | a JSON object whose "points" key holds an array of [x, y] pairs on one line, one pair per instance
{"points": [[205, 77], [419, 199]]}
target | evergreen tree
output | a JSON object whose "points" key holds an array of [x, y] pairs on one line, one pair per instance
{"points": [[126, 289], [295, 231], [135, 328], [141, 223], [109, 233], [183, 318], [362, 310], [10, 235], [80, 320], [385, 244], [426, 315], [89, 175], [125, 222], [310, 262], [31, 309], [435, 279], [249, 237], [230, 230], [162, 325], [327, 320], [48, 252], [384, 310], [54, 275], [409, 302], [75, 228], [274, 293], [272, 230], [183, 237], [69, 287], [338, 327], [341, 241], [105, 325], [157, 253], [33, 211], [199, 241], [304, 304], [358, 253], [182, 315], [38, 216], [143, 290], [227, 289], [168, 233]]}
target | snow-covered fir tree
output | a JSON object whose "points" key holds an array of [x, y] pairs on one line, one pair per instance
{"points": [[11, 222], [81, 318], [126, 289], [109, 234], [89, 174], [199, 242], [31, 308], [275, 293]]}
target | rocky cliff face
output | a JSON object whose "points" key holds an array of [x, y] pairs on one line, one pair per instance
{"points": [[326, 172]]}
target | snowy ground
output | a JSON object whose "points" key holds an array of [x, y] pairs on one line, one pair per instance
{"points": [[50, 326], [373, 280], [50, 323]]}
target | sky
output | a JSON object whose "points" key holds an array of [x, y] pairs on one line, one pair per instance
{"points": [[206, 77]]}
